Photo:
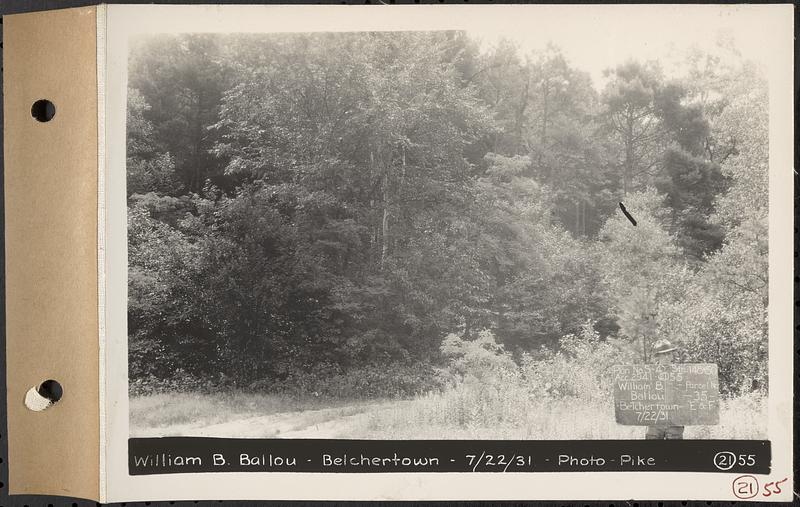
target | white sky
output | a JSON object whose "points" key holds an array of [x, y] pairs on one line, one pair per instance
{"points": [[594, 38]]}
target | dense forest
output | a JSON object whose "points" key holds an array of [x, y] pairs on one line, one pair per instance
{"points": [[346, 213]]}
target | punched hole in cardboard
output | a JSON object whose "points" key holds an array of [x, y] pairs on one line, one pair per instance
{"points": [[44, 396], [43, 110]]}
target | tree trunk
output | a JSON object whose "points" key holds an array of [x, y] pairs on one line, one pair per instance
{"points": [[628, 170], [583, 218], [644, 349], [544, 114], [385, 220], [543, 140], [385, 226], [196, 184], [520, 119]]}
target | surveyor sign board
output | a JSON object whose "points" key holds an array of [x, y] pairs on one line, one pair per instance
{"points": [[668, 394]]}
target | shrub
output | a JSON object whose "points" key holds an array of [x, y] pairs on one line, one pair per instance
{"points": [[482, 360], [180, 381], [581, 369], [375, 380]]}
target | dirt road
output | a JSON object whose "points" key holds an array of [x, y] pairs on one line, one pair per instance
{"points": [[324, 423]]}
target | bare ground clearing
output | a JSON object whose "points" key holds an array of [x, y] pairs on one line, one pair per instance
{"points": [[321, 423]]}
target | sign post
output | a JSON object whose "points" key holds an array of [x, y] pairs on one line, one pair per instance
{"points": [[666, 394]]}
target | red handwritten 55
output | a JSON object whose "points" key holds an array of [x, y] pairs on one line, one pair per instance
{"points": [[776, 487]]}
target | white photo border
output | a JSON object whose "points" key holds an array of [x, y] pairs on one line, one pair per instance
{"points": [[769, 25]]}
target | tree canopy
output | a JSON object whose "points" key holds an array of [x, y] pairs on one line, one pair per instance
{"points": [[303, 205]]}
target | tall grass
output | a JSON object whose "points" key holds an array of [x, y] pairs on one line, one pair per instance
{"points": [[564, 395], [473, 411], [487, 395], [470, 410]]}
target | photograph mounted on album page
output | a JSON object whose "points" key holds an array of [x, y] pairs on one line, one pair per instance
{"points": [[495, 252]]}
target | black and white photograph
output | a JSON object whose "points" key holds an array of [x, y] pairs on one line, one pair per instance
{"points": [[477, 234]]}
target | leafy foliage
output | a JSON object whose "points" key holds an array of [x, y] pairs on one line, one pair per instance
{"points": [[376, 215]]}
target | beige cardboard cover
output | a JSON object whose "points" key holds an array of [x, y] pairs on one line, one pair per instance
{"points": [[51, 250]]}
